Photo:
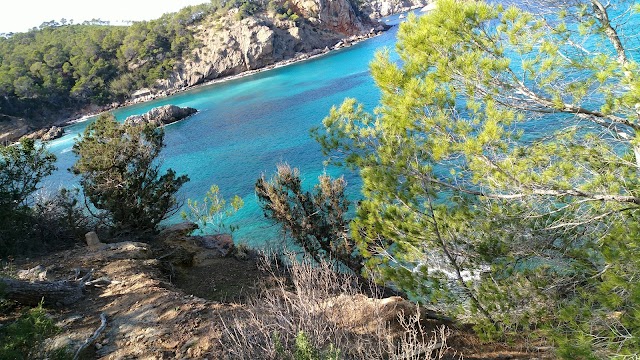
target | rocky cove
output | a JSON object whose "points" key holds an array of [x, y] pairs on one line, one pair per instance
{"points": [[188, 80], [229, 49], [245, 126]]}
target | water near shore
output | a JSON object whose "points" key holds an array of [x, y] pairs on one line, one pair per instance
{"points": [[246, 126]]}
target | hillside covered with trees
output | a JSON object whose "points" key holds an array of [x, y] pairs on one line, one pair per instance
{"points": [[62, 66], [61, 69]]}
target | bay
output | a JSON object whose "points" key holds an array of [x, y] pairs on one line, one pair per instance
{"points": [[246, 126]]}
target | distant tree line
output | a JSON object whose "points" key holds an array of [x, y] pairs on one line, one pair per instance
{"points": [[61, 65]]}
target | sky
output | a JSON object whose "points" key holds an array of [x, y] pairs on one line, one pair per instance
{"points": [[22, 15]]}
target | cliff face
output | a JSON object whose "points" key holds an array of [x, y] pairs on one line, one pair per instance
{"points": [[380, 8], [339, 16], [230, 47]]}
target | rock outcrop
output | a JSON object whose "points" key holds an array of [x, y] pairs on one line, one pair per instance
{"points": [[187, 250], [231, 47], [46, 134], [337, 16], [161, 115], [53, 133], [380, 8], [12, 128]]}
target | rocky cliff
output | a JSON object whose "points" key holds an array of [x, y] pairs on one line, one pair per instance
{"points": [[379, 8], [229, 47]]}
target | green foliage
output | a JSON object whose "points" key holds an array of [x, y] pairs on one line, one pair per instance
{"points": [[119, 174], [247, 8], [69, 66], [469, 207], [283, 10], [22, 168], [304, 350], [316, 220], [22, 338], [213, 211]]}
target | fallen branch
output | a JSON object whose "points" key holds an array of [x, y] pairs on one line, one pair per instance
{"points": [[53, 292], [56, 293], [99, 330], [86, 277]]}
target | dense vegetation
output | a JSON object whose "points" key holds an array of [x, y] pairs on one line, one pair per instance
{"points": [[120, 174], [468, 206], [316, 221], [62, 65], [65, 66], [22, 168], [120, 177], [23, 338]]}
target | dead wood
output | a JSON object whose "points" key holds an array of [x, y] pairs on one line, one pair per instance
{"points": [[53, 293]]}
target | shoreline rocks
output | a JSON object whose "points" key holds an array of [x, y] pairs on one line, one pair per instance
{"points": [[161, 115], [46, 134]]}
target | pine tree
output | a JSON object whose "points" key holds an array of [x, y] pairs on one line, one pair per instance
{"points": [[500, 169], [120, 174], [22, 168]]}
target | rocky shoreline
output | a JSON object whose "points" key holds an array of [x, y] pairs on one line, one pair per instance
{"points": [[52, 130], [56, 130], [300, 57], [161, 115]]}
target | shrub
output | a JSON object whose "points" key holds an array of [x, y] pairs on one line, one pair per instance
{"points": [[246, 9], [304, 320], [213, 211], [120, 174], [316, 220], [61, 219], [23, 338], [22, 168]]}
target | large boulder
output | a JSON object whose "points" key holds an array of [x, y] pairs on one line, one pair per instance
{"points": [[53, 133], [178, 231], [363, 315], [217, 245], [182, 249], [161, 115]]}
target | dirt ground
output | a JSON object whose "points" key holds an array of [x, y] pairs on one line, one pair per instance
{"points": [[156, 310]]}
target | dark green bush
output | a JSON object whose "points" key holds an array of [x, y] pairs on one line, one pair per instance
{"points": [[23, 338], [22, 168], [121, 176]]}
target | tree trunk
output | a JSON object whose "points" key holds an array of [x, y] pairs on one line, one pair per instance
{"points": [[56, 293]]}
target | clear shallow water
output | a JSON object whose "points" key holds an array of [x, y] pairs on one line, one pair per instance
{"points": [[246, 126]]}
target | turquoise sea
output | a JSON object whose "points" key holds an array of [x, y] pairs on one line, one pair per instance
{"points": [[246, 126]]}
